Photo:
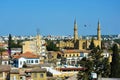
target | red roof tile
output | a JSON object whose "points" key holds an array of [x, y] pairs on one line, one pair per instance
{"points": [[75, 51], [26, 55], [5, 53]]}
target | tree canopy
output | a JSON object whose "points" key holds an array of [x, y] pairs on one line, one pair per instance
{"points": [[95, 63], [92, 45], [51, 46], [115, 64]]}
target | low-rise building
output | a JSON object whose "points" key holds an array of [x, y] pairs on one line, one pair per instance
{"points": [[14, 74], [25, 58], [5, 58], [73, 56], [36, 46], [4, 72]]}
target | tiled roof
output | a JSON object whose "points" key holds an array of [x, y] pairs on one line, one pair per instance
{"points": [[75, 51], [2, 44], [16, 56], [55, 52], [29, 55], [14, 71], [38, 70], [4, 68], [26, 55], [5, 53]]}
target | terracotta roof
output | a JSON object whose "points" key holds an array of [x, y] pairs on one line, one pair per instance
{"points": [[55, 52], [16, 56], [5, 53], [2, 44], [29, 55], [75, 51], [26, 55], [38, 70], [4, 68]]}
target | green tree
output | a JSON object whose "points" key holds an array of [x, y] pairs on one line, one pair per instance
{"points": [[93, 63], [117, 40], [96, 56], [105, 68], [51, 46], [9, 43], [115, 64], [92, 45], [82, 75], [14, 44], [87, 69]]}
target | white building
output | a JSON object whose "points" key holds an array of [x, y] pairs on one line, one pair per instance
{"points": [[25, 58]]}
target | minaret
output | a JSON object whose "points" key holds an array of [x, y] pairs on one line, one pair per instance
{"points": [[99, 35], [75, 31], [98, 31], [38, 42]]}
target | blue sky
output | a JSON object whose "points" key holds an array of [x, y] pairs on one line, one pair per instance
{"points": [[56, 17]]}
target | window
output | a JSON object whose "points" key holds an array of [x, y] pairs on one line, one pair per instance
{"points": [[14, 77], [66, 55], [1, 74], [5, 62], [81, 54], [36, 61], [77, 55], [41, 75], [73, 55], [27, 61], [31, 61], [35, 75], [21, 78]]}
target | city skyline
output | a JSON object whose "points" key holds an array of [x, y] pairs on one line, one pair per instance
{"points": [[57, 17]]}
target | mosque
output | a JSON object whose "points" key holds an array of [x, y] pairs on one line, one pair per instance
{"points": [[79, 43]]}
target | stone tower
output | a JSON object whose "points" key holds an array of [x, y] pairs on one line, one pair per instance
{"points": [[75, 31], [38, 42], [99, 34]]}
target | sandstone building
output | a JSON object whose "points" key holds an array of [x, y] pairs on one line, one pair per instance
{"points": [[79, 43]]}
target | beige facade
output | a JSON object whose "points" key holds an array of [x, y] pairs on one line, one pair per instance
{"points": [[29, 46], [35, 46], [38, 76], [80, 43], [4, 72]]}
